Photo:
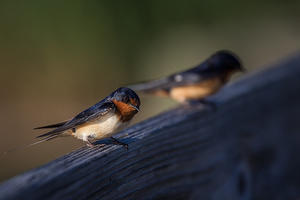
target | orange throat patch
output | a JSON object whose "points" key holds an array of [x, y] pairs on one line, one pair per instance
{"points": [[126, 111]]}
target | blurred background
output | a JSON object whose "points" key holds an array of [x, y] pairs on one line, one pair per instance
{"points": [[60, 57]]}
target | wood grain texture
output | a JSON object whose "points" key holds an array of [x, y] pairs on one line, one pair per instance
{"points": [[248, 148]]}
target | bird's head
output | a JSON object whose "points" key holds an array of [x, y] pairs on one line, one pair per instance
{"points": [[126, 100], [226, 61]]}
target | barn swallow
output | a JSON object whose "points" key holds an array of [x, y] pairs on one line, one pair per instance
{"points": [[99, 121], [195, 83]]}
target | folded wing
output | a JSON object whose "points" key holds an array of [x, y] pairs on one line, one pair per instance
{"points": [[90, 114]]}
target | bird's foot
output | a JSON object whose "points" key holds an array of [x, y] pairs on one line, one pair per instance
{"points": [[212, 105], [117, 142], [89, 143]]}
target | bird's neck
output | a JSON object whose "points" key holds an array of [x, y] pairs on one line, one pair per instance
{"points": [[125, 111], [226, 75]]}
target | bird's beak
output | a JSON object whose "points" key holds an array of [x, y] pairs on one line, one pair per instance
{"points": [[134, 107]]}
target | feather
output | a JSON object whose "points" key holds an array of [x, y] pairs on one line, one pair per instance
{"points": [[90, 114], [51, 125]]}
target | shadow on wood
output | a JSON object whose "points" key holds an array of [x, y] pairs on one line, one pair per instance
{"points": [[246, 149]]}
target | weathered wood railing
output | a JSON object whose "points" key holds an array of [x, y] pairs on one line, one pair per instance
{"points": [[248, 148]]}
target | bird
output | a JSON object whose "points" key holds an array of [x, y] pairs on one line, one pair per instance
{"points": [[99, 121], [197, 83]]}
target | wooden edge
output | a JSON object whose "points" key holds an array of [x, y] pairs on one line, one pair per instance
{"points": [[89, 173]]}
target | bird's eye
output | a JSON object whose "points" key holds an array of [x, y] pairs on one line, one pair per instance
{"points": [[126, 99]]}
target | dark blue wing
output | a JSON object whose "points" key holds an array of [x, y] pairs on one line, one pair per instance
{"points": [[175, 80], [90, 114], [188, 77]]}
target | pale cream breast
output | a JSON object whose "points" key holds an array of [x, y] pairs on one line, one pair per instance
{"points": [[105, 127], [197, 91]]}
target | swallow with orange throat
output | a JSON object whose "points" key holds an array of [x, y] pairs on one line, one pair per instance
{"points": [[99, 121], [196, 83]]}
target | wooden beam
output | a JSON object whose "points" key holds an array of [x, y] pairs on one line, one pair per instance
{"points": [[248, 148]]}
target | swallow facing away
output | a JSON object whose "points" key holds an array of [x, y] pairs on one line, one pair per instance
{"points": [[195, 83], [99, 121]]}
